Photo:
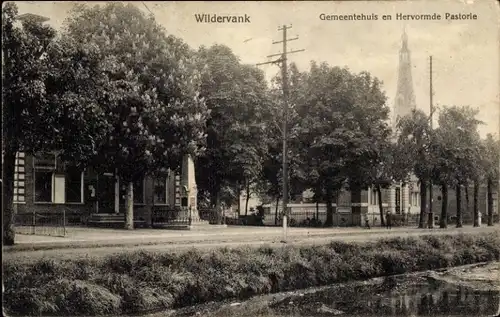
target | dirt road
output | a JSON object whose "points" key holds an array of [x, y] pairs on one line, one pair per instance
{"points": [[228, 237]]}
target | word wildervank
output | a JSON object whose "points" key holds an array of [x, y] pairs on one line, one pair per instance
{"points": [[216, 18]]}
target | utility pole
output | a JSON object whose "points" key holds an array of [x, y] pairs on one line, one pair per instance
{"points": [[282, 61], [430, 222]]}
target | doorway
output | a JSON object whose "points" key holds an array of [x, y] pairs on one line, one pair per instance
{"points": [[398, 200], [106, 192]]}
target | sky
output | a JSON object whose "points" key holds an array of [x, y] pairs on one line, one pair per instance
{"points": [[466, 53]]}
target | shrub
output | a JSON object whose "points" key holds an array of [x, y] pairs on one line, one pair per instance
{"points": [[145, 298], [132, 283], [81, 298], [395, 262]]}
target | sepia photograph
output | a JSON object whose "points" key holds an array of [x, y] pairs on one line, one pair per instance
{"points": [[251, 158]]}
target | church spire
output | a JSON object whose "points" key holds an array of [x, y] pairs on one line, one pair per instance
{"points": [[405, 97], [404, 40]]}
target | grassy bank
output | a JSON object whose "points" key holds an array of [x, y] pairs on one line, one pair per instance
{"points": [[143, 281]]}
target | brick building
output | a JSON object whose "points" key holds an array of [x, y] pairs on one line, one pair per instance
{"points": [[44, 184]]}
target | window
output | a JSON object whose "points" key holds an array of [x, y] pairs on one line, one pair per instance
{"points": [[139, 191], [53, 183], [415, 199], [73, 186], [374, 197], [160, 190], [58, 189], [44, 166], [43, 186]]}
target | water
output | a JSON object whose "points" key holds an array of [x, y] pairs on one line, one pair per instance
{"points": [[466, 291], [401, 296]]}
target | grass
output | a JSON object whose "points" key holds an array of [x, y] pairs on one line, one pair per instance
{"points": [[132, 283]]}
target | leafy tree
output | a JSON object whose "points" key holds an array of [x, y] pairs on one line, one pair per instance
{"points": [[273, 161], [52, 91], [151, 101], [456, 148], [463, 125], [415, 138], [478, 176], [394, 165], [27, 117], [235, 95], [342, 115], [490, 163]]}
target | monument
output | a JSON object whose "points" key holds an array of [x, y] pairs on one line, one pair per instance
{"points": [[189, 191]]}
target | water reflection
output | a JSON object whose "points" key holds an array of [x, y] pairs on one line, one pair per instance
{"points": [[394, 297]]}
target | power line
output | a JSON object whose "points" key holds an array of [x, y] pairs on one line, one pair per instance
{"points": [[147, 7], [282, 61]]}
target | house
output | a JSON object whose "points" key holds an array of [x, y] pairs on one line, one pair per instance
{"points": [[44, 184]]}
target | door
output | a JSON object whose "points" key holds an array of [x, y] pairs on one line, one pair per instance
{"points": [[398, 200], [106, 190]]}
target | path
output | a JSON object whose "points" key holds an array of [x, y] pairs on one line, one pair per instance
{"points": [[83, 242]]}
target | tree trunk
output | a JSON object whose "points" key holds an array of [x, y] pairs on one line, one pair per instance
{"points": [[458, 192], [276, 211], [476, 204], [247, 198], [443, 222], [239, 201], [129, 213], [329, 209], [490, 202], [218, 209], [8, 215], [423, 204], [467, 200], [430, 218], [380, 207], [317, 210]]}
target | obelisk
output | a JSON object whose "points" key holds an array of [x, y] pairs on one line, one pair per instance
{"points": [[189, 191]]}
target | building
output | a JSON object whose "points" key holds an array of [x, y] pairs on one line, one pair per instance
{"points": [[46, 185], [351, 207]]}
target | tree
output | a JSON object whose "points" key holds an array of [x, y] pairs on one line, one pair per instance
{"points": [[456, 148], [415, 138], [53, 92], [490, 162], [394, 165], [235, 95], [151, 102], [477, 177], [342, 114], [27, 117], [272, 179]]}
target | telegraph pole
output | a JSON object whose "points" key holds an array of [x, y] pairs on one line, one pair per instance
{"points": [[430, 221], [282, 61]]}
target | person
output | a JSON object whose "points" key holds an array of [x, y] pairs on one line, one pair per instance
{"points": [[388, 219], [367, 222]]}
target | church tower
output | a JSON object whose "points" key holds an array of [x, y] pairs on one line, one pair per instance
{"points": [[399, 195], [405, 97]]}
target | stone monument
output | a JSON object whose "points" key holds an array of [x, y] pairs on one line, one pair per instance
{"points": [[189, 191]]}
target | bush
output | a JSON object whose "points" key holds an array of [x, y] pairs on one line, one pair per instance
{"points": [[132, 283]]}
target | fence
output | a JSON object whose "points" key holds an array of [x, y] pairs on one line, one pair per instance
{"points": [[162, 216], [48, 223], [397, 220], [165, 215]]}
